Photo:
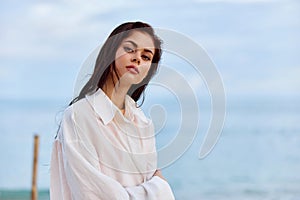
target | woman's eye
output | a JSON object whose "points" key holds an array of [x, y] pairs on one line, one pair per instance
{"points": [[128, 49], [146, 58]]}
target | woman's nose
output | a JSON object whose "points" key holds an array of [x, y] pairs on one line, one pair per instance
{"points": [[136, 59]]}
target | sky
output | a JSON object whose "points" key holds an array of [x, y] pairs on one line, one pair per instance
{"points": [[254, 44]]}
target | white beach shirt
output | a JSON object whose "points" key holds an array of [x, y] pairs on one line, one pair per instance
{"points": [[99, 153]]}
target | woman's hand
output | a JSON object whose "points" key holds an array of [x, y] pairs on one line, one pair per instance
{"points": [[159, 174]]}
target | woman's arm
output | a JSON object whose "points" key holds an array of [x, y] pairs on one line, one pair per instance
{"points": [[159, 174], [86, 181], [155, 188], [75, 174]]}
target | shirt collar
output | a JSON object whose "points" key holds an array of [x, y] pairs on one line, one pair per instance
{"points": [[106, 109]]}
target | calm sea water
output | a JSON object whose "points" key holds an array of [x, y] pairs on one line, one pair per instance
{"points": [[256, 157], [22, 195]]}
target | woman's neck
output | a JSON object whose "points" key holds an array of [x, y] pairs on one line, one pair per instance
{"points": [[116, 92]]}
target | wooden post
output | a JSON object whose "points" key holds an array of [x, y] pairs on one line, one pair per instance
{"points": [[34, 192]]}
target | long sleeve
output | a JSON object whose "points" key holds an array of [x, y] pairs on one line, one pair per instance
{"points": [[155, 188], [75, 174]]}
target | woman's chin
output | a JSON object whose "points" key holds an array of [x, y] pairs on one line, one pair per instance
{"points": [[131, 80], [135, 82]]}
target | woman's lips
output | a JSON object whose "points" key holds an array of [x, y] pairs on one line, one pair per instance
{"points": [[133, 69]]}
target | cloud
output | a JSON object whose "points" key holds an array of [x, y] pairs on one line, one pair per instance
{"points": [[48, 29], [273, 82], [236, 1], [60, 34]]}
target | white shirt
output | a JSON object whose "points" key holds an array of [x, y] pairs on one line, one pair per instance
{"points": [[99, 153]]}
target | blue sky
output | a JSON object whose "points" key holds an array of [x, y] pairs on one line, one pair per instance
{"points": [[254, 44]]}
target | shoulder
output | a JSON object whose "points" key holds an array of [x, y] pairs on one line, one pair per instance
{"points": [[75, 113], [136, 112], [139, 114], [76, 119], [77, 110]]}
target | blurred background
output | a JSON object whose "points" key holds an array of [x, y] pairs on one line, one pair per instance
{"points": [[254, 44]]}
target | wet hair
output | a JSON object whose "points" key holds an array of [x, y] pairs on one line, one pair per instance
{"points": [[105, 63]]}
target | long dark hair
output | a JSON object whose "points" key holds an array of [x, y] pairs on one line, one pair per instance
{"points": [[105, 63]]}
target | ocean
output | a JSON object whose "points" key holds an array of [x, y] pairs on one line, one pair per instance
{"points": [[22, 195], [257, 156]]}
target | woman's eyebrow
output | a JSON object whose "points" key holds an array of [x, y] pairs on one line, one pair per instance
{"points": [[148, 50], [135, 46], [133, 43]]}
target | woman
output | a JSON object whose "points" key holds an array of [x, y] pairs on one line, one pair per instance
{"points": [[105, 146]]}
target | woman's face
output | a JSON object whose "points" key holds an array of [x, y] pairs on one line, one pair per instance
{"points": [[134, 57]]}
